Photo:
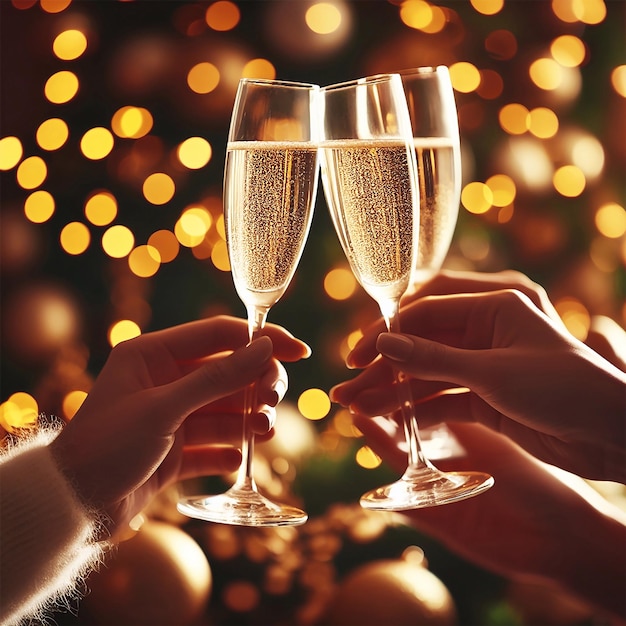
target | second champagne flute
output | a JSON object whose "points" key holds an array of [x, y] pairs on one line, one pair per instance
{"points": [[370, 183], [270, 186], [434, 120]]}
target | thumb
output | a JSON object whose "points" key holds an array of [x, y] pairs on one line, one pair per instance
{"points": [[429, 360], [217, 379]]}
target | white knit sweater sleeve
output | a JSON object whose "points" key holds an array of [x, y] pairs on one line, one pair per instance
{"points": [[47, 537]]}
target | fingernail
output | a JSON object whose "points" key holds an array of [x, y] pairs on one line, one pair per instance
{"points": [[280, 389], [396, 347], [261, 423]]}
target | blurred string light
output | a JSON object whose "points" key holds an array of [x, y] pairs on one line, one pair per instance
{"points": [[75, 238], [314, 404], [118, 241], [203, 77], [618, 80], [69, 45], [72, 401], [423, 16], [367, 458], [340, 283], [575, 316], [101, 208], [52, 134], [194, 153], [584, 11], [39, 206], [610, 220], [158, 188], [488, 7], [61, 87], [97, 143], [123, 330], [54, 6], [131, 122], [11, 151], [18, 412], [31, 172], [222, 15]]}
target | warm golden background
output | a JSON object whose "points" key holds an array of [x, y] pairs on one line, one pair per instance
{"points": [[114, 117]]}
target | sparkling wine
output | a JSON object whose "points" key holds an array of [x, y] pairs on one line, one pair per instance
{"points": [[439, 189], [270, 190], [370, 196]]}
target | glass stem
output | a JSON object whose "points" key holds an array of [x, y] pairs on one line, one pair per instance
{"points": [[245, 479], [416, 459]]}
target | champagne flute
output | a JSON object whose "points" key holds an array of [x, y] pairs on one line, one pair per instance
{"points": [[434, 121], [370, 183], [270, 185]]}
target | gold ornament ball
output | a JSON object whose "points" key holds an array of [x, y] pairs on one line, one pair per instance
{"points": [[158, 577], [391, 593]]}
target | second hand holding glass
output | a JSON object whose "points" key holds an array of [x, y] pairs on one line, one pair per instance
{"points": [[370, 183], [270, 186]]}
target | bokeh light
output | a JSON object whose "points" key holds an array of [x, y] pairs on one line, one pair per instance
{"points": [[488, 7], [477, 197], [340, 283], [323, 18], [61, 87], [194, 152], [101, 208], [75, 238], [367, 458], [618, 80], [19, 411], [123, 330], [219, 256], [568, 50], [159, 188], [259, 68], [31, 172], [314, 404], [543, 122], [11, 152], [502, 188], [97, 143], [569, 181], [222, 15], [465, 76], [72, 402], [52, 134], [144, 261], [610, 220], [165, 242], [118, 241], [69, 45], [203, 77], [39, 206], [514, 118], [546, 74], [132, 122], [54, 6]]}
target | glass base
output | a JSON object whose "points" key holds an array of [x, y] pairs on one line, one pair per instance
{"points": [[425, 488], [240, 507]]}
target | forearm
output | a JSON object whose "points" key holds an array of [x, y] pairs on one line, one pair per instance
{"points": [[593, 565], [48, 538]]}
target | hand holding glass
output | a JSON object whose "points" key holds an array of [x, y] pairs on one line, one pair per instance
{"points": [[270, 185], [370, 182]]}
